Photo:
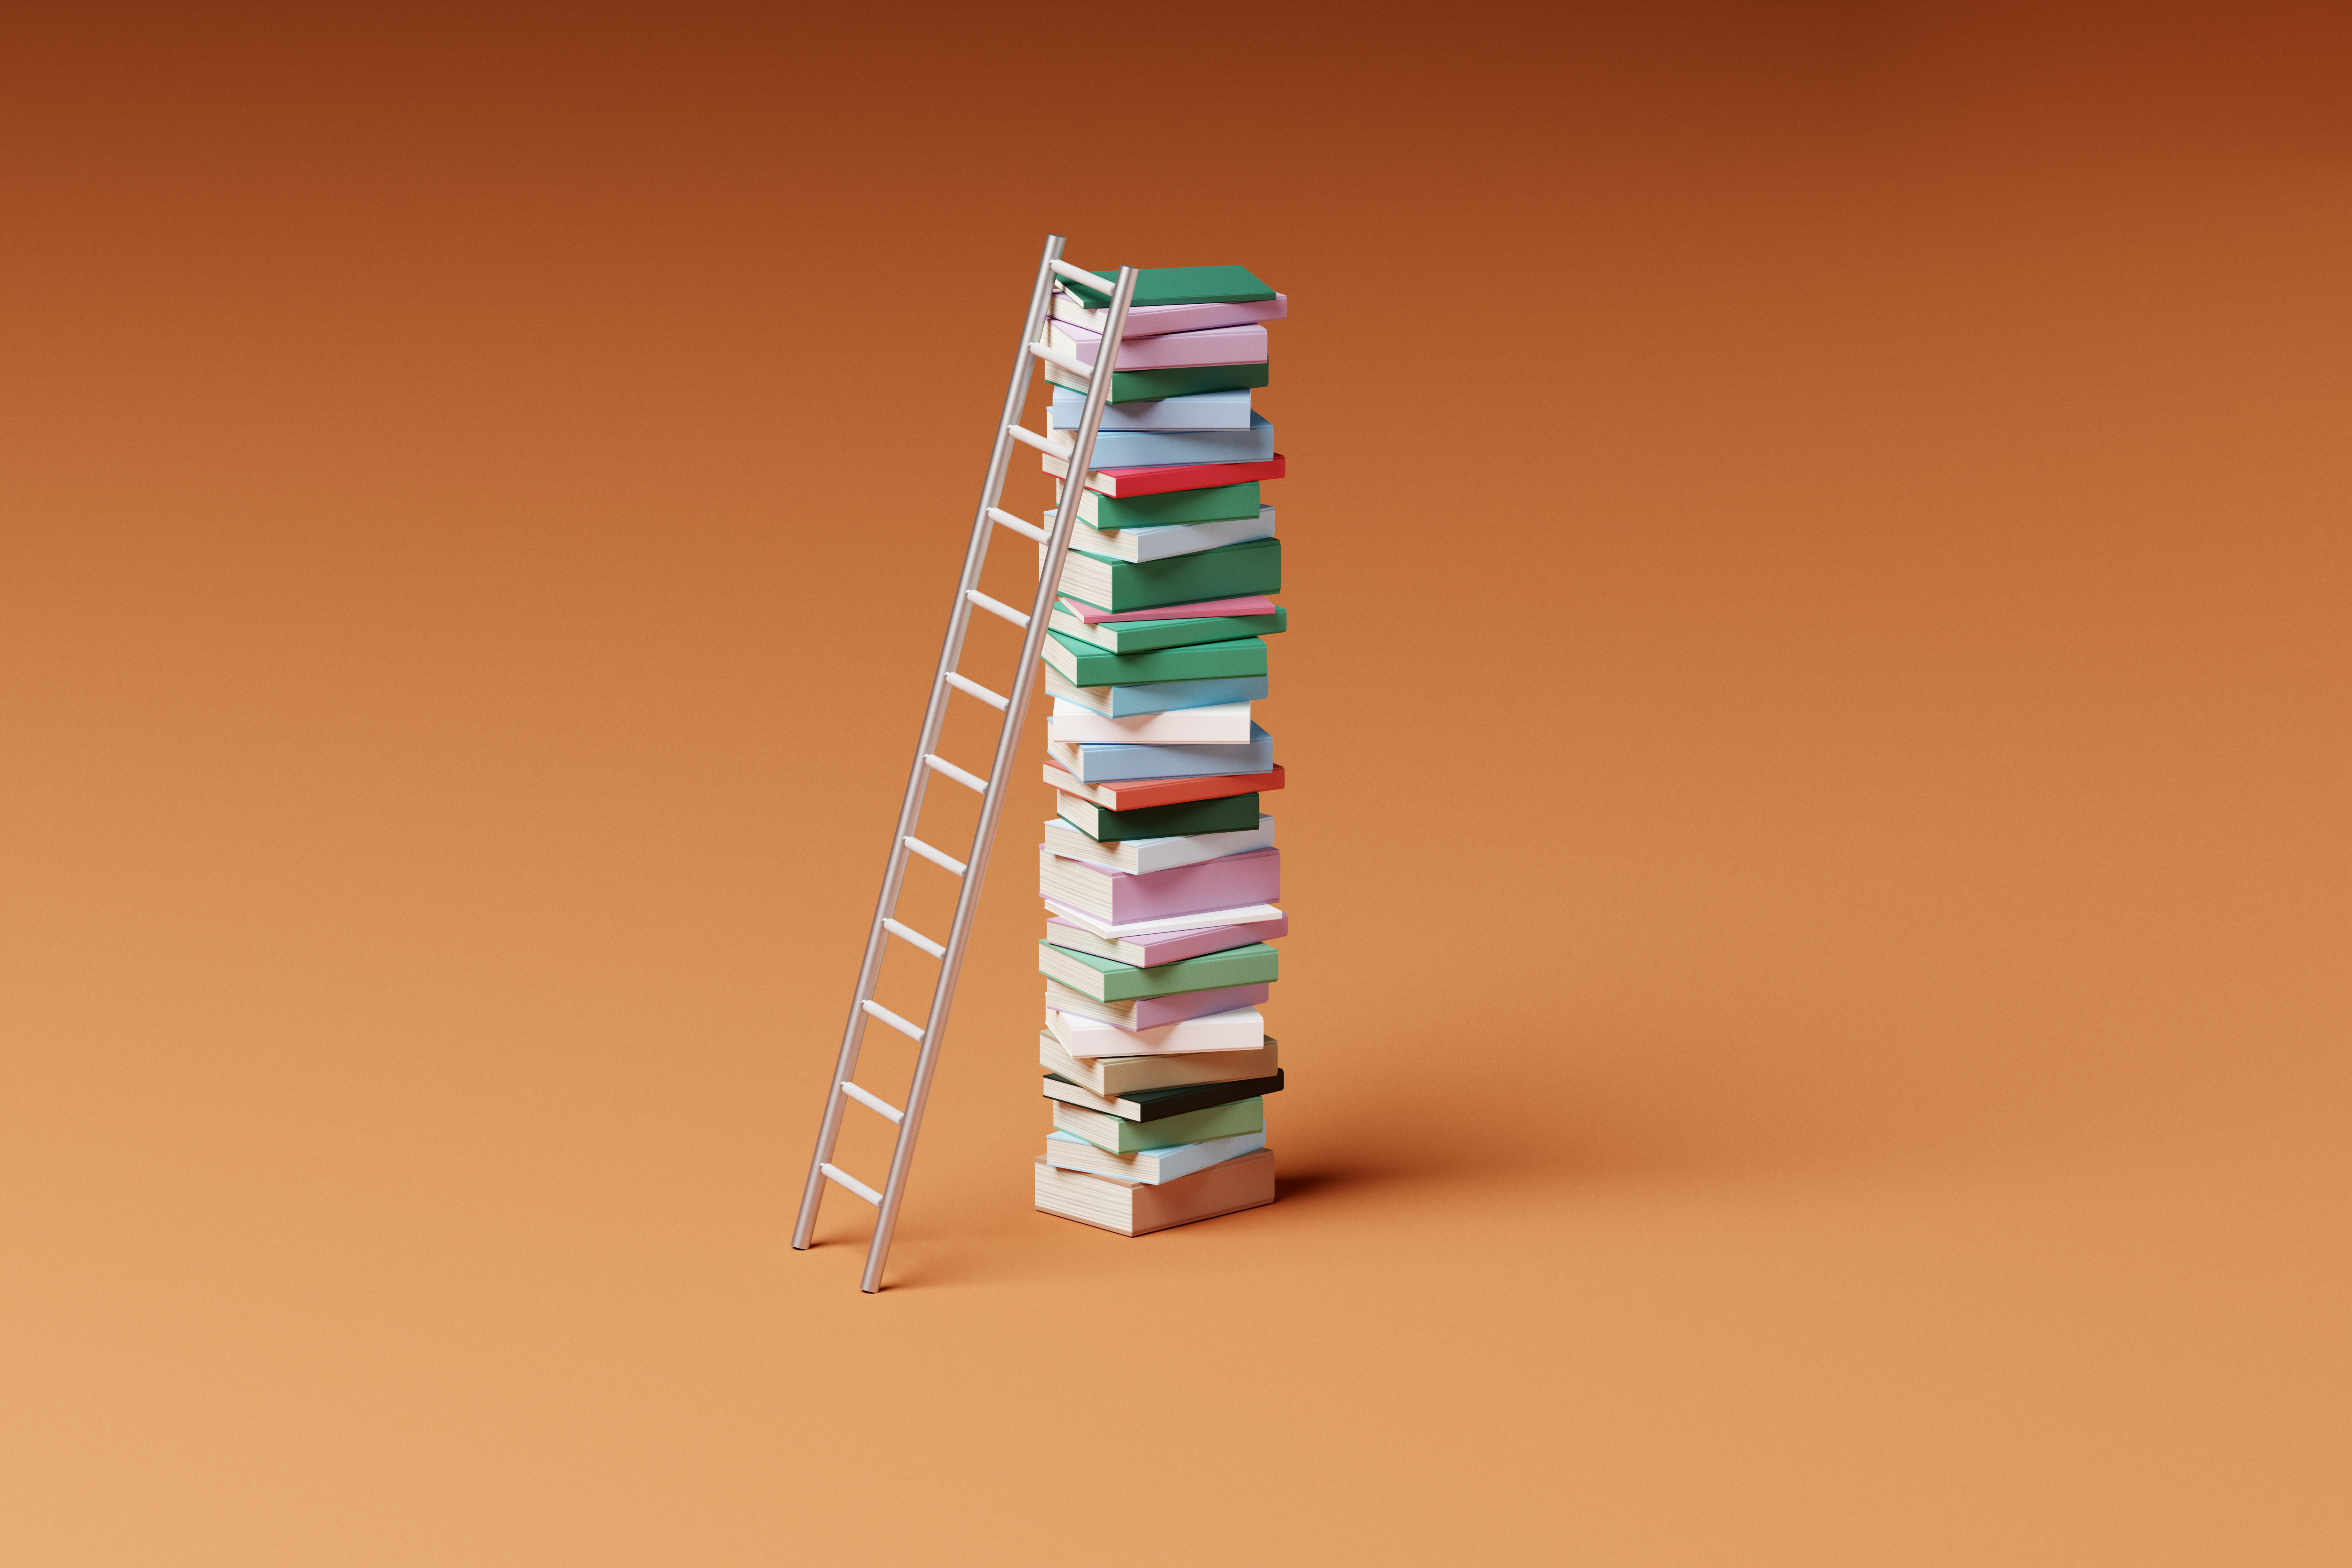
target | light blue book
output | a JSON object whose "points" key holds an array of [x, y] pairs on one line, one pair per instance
{"points": [[1150, 1165], [1159, 448], [1109, 763], [1156, 696], [1194, 411], [1160, 541]]}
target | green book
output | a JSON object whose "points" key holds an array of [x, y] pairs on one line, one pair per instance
{"points": [[1228, 572], [1107, 980], [1142, 386], [1213, 504], [1082, 664], [1182, 631], [1176, 286], [1226, 813], [1117, 1135]]}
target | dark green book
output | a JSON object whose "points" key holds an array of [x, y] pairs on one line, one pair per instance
{"points": [[1214, 504], [1175, 286], [1225, 813], [1142, 386], [1106, 980], [1082, 664], [1159, 1104], [1182, 631], [1228, 572]]}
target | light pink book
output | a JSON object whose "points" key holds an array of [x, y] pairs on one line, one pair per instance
{"points": [[1216, 345], [1254, 605], [1150, 320], [1167, 946], [1120, 897], [1154, 1012]]}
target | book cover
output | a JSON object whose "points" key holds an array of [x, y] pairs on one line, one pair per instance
{"points": [[1146, 636], [1150, 320], [1139, 856], [1151, 1166], [1138, 448], [1119, 483], [1143, 385], [1163, 947], [1155, 696], [1151, 1012], [1119, 1136], [1105, 980], [1172, 286], [1210, 503], [1220, 814], [1139, 793], [1159, 1104], [1207, 1034], [1217, 724], [1120, 897], [1084, 664], [1242, 345], [1223, 410], [1230, 570], [1140, 1209], [1117, 1076], [1098, 762]]}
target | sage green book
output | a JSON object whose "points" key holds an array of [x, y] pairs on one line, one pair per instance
{"points": [[1117, 1135], [1228, 572], [1107, 980], [1142, 386], [1182, 631], [1216, 504], [1082, 664], [1226, 813], [1175, 286]]}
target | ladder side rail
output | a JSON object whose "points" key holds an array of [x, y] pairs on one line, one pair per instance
{"points": [[934, 715], [1049, 578]]}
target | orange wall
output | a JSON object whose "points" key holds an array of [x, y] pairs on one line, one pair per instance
{"points": [[1815, 713]]}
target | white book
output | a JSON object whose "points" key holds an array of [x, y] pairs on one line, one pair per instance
{"points": [[1152, 1165], [1241, 914], [1163, 541], [1193, 411], [1136, 855], [1236, 1029], [1150, 321], [1217, 724]]}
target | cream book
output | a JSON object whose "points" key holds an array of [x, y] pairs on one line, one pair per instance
{"points": [[1138, 1208], [1116, 930], [1118, 1135], [1235, 1029], [1136, 855], [1148, 1165], [1111, 1077], [1216, 724]]}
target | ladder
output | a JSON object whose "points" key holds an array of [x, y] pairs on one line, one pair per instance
{"points": [[973, 867]]}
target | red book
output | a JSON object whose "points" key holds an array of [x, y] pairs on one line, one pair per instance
{"points": [[1121, 483], [1130, 795], [1256, 605]]}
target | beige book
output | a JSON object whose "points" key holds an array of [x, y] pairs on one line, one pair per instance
{"points": [[1111, 1077], [1136, 1208]]}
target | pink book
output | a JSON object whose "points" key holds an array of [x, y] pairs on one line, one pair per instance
{"points": [[1150, 320], [1154, 1012], [1168, 946], [1118, 897], [1212, 346], [1256, 605]]}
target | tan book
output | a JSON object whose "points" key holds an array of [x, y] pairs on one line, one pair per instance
{"points": [[1111, 1077], [1138, 1208]]}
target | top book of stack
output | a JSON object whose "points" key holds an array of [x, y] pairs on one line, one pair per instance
{"points": [[1179, 286]]}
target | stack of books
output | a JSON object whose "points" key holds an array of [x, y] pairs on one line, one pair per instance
{"points": [[1158, 870]]}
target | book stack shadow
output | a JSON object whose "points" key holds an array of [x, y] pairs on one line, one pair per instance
{"points": [[1159, 870]]}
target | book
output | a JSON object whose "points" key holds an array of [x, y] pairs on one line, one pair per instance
{"points": [[1137, 794], [1140, 448], [1158, 542], [1166, 946], [1151, 1166], [1144, 637], [1122, 483], [1105, 980], [1119, 1136], [1172, 286], [1227, 409], [1139, 856], [1221, 814], [1206, 1034], [1144, 385], [1150, 320], [1117, 1076], [1120, 897], [1084, 664], [1210, 503], [1156, 696], [1139, 1208], [1247, 605], [1218, 724], [1242, 345], [1239, 914], [1159, 1104], [1151, 1012], [1230, 570], [1095, 763]]}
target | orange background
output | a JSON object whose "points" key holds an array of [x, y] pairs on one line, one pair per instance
{"points": [[1815, 713]]}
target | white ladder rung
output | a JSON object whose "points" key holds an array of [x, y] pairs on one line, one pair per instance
{"points": [[1004, 519], [938, 858], [968, 781], [1061, 361], [1079, 275], [1045, 444], [1019, 618], [876, 1010], [840, 1177], [914, 938], [873, 1102], [974, 689]]}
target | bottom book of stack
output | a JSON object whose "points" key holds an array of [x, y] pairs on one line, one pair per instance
{"points": [[1134, 1208]]}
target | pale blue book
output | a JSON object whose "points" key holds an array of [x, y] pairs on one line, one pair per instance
{"points": [[1193, 411], [1148, 1165], [1156, 696], [1110, 764], [1159, 448], [1160, 541]]}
